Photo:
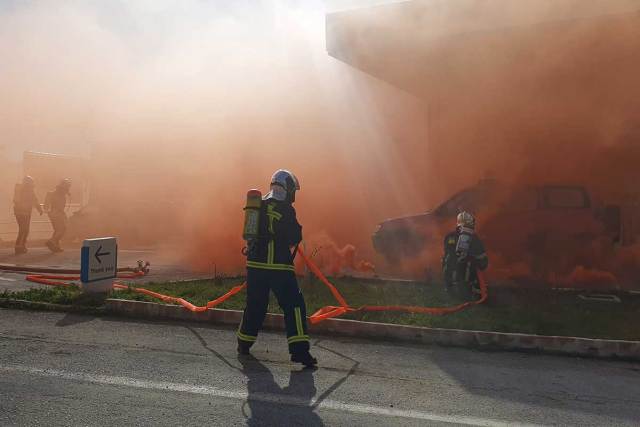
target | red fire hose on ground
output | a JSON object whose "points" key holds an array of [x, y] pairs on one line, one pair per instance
{"points": [[186, 304], [142, 266], [333, 311], [324, 313], [66, 280]]}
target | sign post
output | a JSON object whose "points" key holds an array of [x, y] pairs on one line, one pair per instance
{"points": [[98, 264]]}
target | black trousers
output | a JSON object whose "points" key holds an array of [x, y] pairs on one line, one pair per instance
{"points": [[285, 287], [24, 223], [59, 224]]}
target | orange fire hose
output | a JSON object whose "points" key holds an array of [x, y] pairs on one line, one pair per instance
{"points": [[186, 304], [52, 280], [59, 280], [52, 270], [332, 311], [315, 270], [324, 313]]}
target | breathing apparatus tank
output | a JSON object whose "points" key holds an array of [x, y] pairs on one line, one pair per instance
{"points": [[465, 223], [463, 245], [251, 229]]}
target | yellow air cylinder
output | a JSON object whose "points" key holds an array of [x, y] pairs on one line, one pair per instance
{"points": [[252, 215]]}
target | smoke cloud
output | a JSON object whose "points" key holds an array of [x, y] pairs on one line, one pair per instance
{"points": [[184, 106]]}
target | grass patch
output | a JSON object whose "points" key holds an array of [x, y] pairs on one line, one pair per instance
{"points": [[58, 295], [542, 312]]}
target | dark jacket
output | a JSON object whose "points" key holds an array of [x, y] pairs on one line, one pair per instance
{"points": [[279, 231], [55, 202], [463, 267], [25, 200]]}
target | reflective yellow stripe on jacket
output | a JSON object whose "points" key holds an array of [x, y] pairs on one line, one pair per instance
{"points": [[272, 215], [267, 266]]}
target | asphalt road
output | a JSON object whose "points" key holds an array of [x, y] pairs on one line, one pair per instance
{"points": [[66, 369]]}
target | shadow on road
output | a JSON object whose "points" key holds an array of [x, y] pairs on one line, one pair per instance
{"points": [[270, 404], [209, 349], [74, 319], [341, 381]]}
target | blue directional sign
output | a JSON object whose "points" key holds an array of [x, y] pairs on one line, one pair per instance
{"points": [[99, 259]]}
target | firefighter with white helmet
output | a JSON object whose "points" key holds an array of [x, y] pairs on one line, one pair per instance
{"points": [[24, 202], [464, 255], [273, 233], [55, 204]]}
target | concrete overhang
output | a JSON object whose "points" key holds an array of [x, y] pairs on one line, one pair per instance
{"points": [[435, 48]]}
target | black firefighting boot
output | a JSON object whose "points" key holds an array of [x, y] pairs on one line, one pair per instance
{"points": [[53, 247], [243, 347], [305, 358], [476, 293]]}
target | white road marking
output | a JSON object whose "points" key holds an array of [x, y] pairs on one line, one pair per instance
{"points": [[6, 279], [261, 397]]}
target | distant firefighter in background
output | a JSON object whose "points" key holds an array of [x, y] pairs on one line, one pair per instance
{"points": [[464, 255], [24, 202], [54, 204]]}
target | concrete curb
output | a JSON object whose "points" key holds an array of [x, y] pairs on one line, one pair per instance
{"points": [[585, 347]]}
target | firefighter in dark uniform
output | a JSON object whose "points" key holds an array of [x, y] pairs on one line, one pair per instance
{"points": [[270, 268], [54, 204], [464, 255], [24, 202]]}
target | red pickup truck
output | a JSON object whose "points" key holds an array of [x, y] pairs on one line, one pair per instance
{"points": [[549, 227]]}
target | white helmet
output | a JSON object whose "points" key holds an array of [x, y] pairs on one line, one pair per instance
{"points": [[284, 185], [64, 184], [466, 220]]}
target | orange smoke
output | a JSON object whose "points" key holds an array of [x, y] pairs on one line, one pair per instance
{"points": [[181, 118], [335, 260], [584, 278], [344, 260]]}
